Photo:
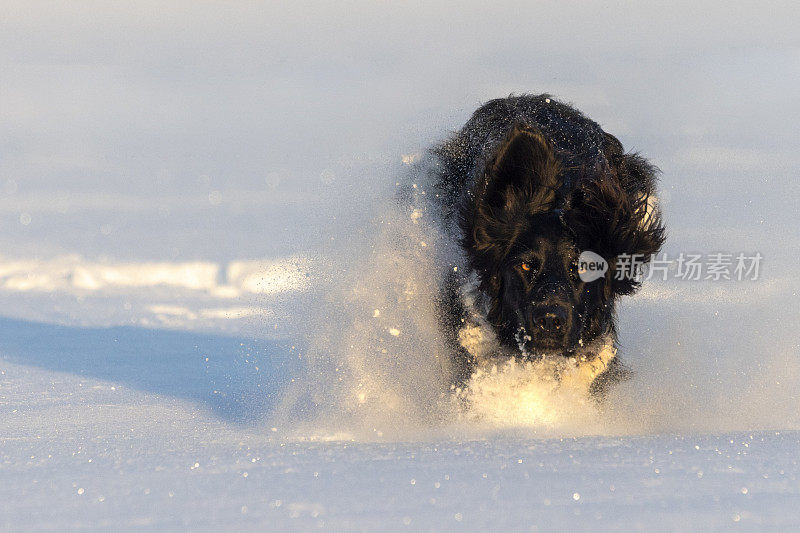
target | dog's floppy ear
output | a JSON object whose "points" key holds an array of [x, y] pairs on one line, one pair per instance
{"points": [[606, 219], [521, 179], [522, 175]]}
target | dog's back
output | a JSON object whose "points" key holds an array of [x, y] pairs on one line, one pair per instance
{"points": [[580, 144]]}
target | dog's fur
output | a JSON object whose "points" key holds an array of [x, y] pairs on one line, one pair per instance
{"points": [[525, 186]]}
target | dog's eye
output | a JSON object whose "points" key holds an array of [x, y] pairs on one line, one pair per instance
{"points": [[528, 269]]}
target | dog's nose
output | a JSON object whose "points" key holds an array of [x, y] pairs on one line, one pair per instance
{"points": [[550, 319]]}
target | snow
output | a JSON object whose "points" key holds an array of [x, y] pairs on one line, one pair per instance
{"points": [[105, 439], [213, 317], [75, 274]]}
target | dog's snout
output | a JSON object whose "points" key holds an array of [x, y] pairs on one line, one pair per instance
{"points": [[550, 319], [552, 291]]}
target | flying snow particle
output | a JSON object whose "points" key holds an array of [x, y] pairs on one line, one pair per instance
{"points": [[215, 197], [327, 176], [409, 159]]}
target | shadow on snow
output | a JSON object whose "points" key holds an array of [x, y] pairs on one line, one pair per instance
{"points": [[240, 379]]}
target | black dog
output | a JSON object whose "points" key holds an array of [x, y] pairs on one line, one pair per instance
{"points": [[526, 186]]}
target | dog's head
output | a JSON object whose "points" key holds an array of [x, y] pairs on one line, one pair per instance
{"points": [[523, 232]]}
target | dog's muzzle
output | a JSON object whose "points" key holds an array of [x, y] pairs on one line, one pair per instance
{"points": [[546, 327]]}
